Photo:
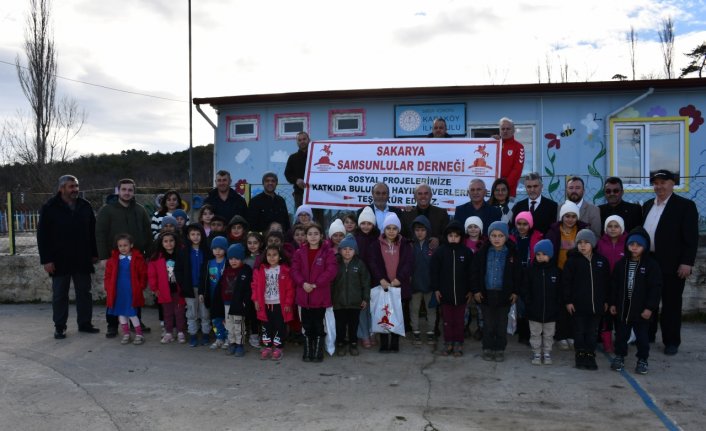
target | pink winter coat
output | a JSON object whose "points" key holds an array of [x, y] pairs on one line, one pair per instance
{"points": [[286, 292], [158, 281], [322, 273], [612, 252]]}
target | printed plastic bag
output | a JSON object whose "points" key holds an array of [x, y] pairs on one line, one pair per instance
{"points": [[512, 320], [386, 309], [330, 326]]}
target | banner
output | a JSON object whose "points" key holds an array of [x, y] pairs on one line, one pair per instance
{"points": [[341, 174]]}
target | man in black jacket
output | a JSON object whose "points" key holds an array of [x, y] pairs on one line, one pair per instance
{"points": [[268, 206], [673, 225], [615, 205], [66, 236], [543, 209], [226, 202]]}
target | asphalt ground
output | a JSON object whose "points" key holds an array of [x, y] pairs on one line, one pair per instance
{"points": [[88, 382]]}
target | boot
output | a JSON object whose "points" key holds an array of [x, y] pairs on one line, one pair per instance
{"points": [[591, 361], [319, 349], [607, 339], [384, 343], [306, 356], [580, 360], [394, 343]]}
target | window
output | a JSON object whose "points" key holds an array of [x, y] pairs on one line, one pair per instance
{"points": [[346, 122], [524, 134], [288, 125], [639, 147], [242, 128]]}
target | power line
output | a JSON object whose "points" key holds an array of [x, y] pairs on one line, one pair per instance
{"points": [[106, 87]]}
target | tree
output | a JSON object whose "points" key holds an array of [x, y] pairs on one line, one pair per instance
{"points": [[45, 137], [698, 61], [631, 37], [666, 39]]}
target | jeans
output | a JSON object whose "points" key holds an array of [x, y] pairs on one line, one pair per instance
{"points": [[622, 334], [494, 327], [417, 298], [586, 332], [60, 285], [346, 323]]}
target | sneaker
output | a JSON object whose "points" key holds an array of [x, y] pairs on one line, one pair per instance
{"points": [[139, 339], [277, 354], [536, 359], [89, 329], [488, 355], [193, 341], [112, 332], [231, 349], [547, 359], [239, 351], [205, 339], [167, 338], [416, 339], [266, 353], [618, 363], [641, 367], [499, 356], [571, 343], [126, 338], [591, 361], [340, 350], [225, 345], [217, 344], [59, 334], [564, 345], [671, 350], [181, 338], [254, 340], [431, 339], [353, 349]]}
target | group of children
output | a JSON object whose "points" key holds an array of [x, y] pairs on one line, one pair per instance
{"points": [[219, 278]]}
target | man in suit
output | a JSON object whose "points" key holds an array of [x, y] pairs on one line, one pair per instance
{"points": [[615, 205], [673, 226], [589, 213], [438, 217], [381, 194], [543, 209], [478, 206]]}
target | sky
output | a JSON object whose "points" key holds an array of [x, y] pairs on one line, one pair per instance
{"points": [[244, 47]]}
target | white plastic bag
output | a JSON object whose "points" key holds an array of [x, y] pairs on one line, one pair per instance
{"points": [[386, 310], [330, 326], [512, 319]]}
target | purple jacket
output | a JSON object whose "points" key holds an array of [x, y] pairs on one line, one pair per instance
{"points": [[612, 252], [404, 270], [321, 274]]}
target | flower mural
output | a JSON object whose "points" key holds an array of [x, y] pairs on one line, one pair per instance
{"points": [[657, 111], [240, 186], [695, 118]]}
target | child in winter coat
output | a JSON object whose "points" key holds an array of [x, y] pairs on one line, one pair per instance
{"points": [[585, 282], [237, 229], [255, 243], [392, 265], [313, 269], [215, 268], [162, 280], [365, 234], [191, 273], [612, 247], [541, 293], [474, 240], [350, 292], [231, 298], [206, 214], [125, 279], [635, 297], [336, 233], [273, 298], [495, 282], [450, 275], [421, 283]]}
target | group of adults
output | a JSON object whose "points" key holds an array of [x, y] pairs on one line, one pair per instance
{"points": [[72, 239]]}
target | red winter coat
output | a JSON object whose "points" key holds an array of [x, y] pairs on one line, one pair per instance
{"points": [[138, 278], [321, 274], [513, 160], [286, 292], [158, 281]]}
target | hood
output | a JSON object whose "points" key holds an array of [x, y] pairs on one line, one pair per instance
{"points": [[424, 221], [643, 233], [454, 225], [238, 219]]}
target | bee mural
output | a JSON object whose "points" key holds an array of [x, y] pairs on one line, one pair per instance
{"points": [[568, 131]]}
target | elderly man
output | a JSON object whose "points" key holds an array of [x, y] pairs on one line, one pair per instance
{"points": [[590, 213], [478, 206], [543, 209], [381, 194], [438, 217], [615, 205], [66, 236], [673, 226], [513, 155], [439, 129], [268, 206], [124, 215], [226, 202]]}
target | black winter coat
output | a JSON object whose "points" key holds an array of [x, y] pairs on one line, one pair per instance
{"points": [[232, 206], [512, 277], [586, 283], [66, 237], [182, 270], [647, 288], [241, 292], [541, 292], [450, 273]]}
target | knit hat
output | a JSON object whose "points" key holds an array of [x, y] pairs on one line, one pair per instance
{"points": [[473, 220], [498, 225], [392, 219], [569, 207], [349, 242], [236, 251], [638, 238], [367, 215], [336, 227], [169, 220], [615, 218], [179, 213], [586, 235], [527, 216], [219, 242], [546, 247], [304, 209]]}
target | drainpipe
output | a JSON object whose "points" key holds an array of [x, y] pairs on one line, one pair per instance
{"points": [[203, 114], [616, 112]]}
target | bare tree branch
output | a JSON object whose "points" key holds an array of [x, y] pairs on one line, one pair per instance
{"points": [[631, 37], [666, 39]]}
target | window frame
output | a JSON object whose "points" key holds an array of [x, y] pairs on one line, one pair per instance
{"points": [[282, 119], [235, 120], [645, 122], [335, 114]]}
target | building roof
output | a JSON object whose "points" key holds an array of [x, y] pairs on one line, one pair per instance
{"points": [[451, 91]]}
